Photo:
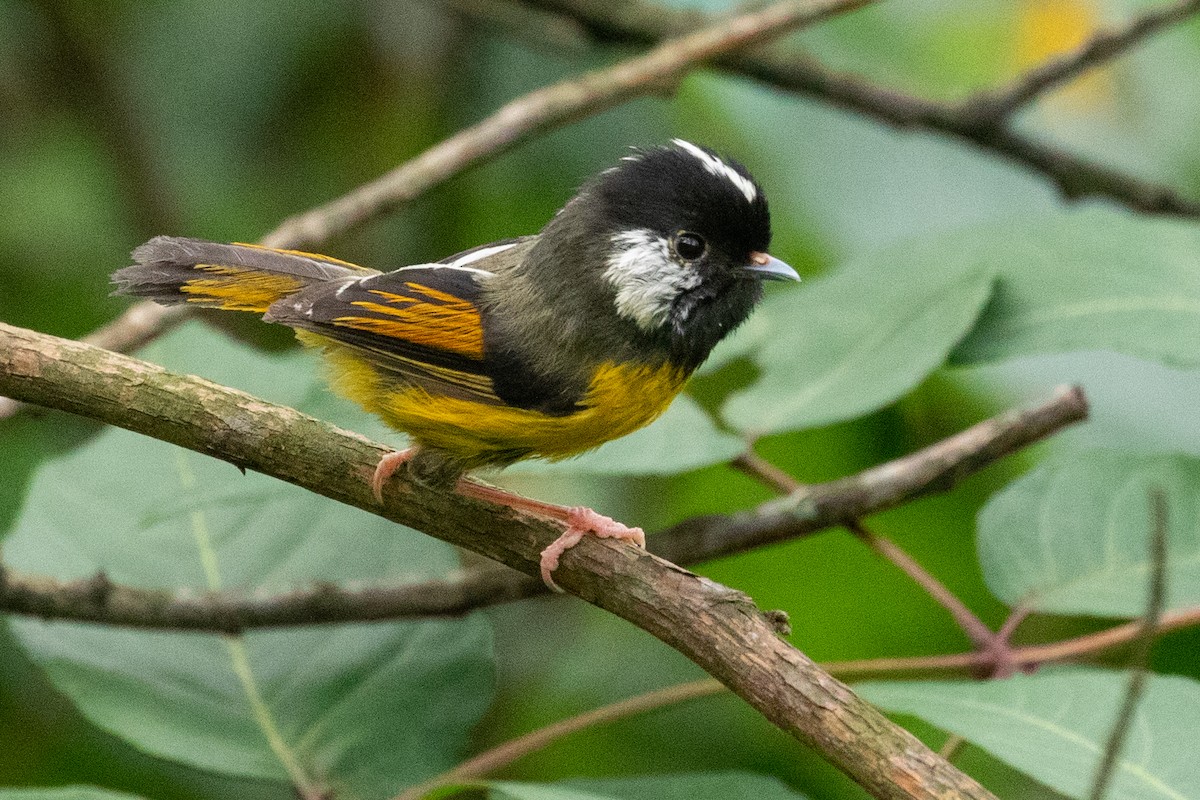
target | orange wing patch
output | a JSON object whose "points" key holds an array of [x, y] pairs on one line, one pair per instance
{"points": [[429, 317], [239, 289]]}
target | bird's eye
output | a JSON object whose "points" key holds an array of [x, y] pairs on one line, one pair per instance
{"points": [[689, 246]]}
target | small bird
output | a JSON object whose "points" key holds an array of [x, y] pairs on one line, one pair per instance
{"points": [[540, 346]]}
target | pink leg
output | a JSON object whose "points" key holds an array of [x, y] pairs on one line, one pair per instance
{"points": [[387, 468], [580, 522]]}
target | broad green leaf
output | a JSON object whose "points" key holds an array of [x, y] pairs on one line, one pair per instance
{"points": [[1071, 537], [1079, 280], [692, 786], [853, 342], [1091, 280], [503, 790], [687, 786], [682, 439], [65, 793], [367, 709], [1054, 726]]}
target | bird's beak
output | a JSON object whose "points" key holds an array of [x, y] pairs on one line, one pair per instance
{"points": [[770, 268]]}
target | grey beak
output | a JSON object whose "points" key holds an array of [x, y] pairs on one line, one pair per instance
{"points": [[770, 268]]}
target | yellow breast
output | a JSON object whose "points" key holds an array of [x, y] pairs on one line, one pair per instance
{"points": [[620, 399]]}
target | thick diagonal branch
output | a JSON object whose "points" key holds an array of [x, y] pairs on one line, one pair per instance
{"points": [[936, 468], [718, 628]]}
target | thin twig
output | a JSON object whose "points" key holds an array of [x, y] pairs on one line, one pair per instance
{"points": [[765, 472], [1155, 600], [936, 468], [980, 634], [997, 106], [504, 754], [1116, 636], [538, 112], [951, 746], [636, 22], [1027, 656], [552, 107]]}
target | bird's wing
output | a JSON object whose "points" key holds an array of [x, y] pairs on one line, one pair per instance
{"points": [[419, 325]]}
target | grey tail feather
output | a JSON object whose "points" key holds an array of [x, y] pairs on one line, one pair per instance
{"points": [[165, 263]]}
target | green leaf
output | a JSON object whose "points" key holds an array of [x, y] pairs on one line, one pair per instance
{"points": [[65, 793], [688, 786], [1071, 537], [504, 790], [366, 708], [692, 786], [1080, 280], [1091, 280], [682, 439], [853, 342], [1054, 726]]}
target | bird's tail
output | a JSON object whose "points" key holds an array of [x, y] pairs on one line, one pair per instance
{"points": [[236, 277]]}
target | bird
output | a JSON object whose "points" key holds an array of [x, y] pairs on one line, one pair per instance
{"points": [[538, 346]]}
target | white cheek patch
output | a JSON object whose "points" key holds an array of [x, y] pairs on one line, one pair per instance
{"points": [[647, 280], [719, 168]]}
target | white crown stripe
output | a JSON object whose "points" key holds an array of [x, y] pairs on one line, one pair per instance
{"points": [[719, 168]]}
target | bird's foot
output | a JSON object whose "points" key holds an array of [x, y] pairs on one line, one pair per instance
{"points": [[387, 468], [580, 522]]}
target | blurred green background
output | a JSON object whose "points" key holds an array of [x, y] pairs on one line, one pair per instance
{"points": [[122, 120]]}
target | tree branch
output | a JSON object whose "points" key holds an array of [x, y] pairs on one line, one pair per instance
{"points": [[981, 636], [1147, 629], [502, 755], [552, 107], [936, 468], [718, 628], [538, 112], [970, 121], [997, 106]]}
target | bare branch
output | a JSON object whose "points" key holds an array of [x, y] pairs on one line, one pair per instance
{"points": [[1145, 641], [548, 108], [502, 755], [1075, 176], [97, 599], [937, 468], [980, 634], [713, 625], [538, 112], [997, 106], [94, 88]]}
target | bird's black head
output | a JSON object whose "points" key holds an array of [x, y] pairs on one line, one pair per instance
{"points": [[679, 237]]}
